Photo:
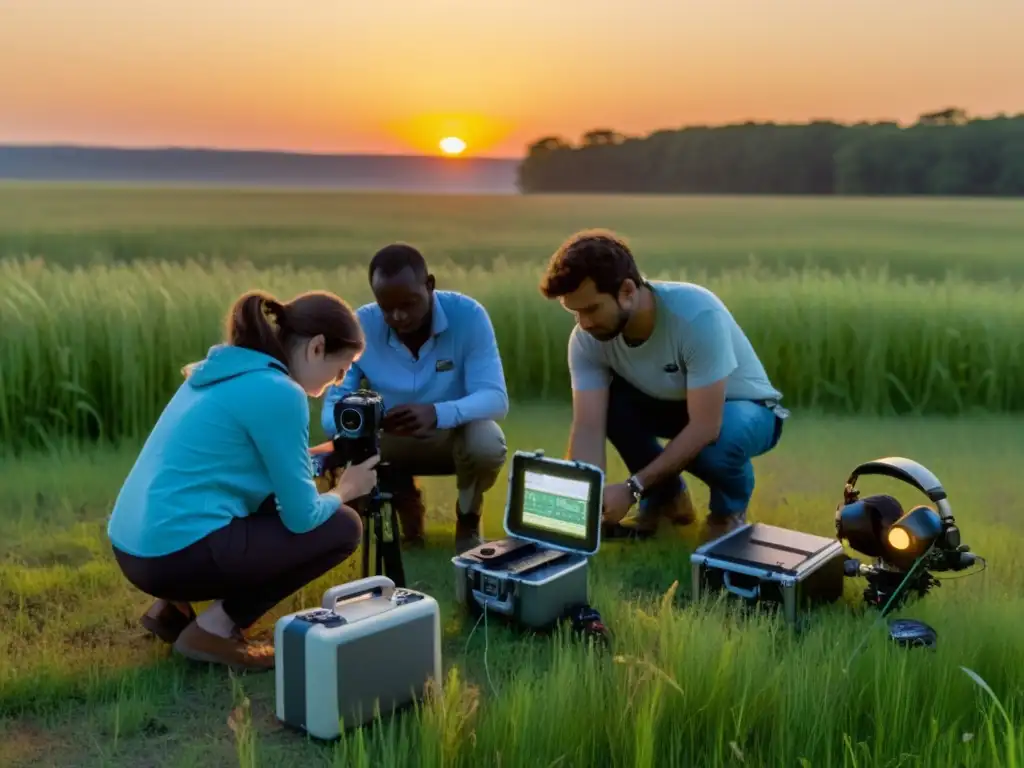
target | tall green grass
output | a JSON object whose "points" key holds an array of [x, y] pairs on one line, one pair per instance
{"points": [[95, 352]]}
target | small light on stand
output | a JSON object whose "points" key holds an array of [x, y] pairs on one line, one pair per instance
{"points": [[912, 535], [906, 547], [907, 540]]}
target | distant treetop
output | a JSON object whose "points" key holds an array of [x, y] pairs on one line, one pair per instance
{"points": [[945, 152]]}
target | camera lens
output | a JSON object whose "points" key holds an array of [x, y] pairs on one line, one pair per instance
{"points": [[351, 419]]}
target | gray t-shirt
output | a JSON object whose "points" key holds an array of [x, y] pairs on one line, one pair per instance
{"points": [[695, 342]]}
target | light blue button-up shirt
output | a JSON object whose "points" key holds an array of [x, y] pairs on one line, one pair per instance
{"points": [[458, 370]]}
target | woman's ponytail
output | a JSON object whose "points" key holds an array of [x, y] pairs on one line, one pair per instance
{"points": [[258, 322]]}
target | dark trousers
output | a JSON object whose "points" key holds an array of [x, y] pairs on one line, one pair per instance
{"points": [[251, 564], [636, 421]]}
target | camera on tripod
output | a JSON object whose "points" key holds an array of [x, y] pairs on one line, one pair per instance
{"points": [[359, 423]]}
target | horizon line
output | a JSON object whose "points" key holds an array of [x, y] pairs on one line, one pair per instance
{"points": [[1003, 114], [252, 151]]}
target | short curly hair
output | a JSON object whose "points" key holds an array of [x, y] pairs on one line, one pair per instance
{"points": [[392, 259], [598, 254]]}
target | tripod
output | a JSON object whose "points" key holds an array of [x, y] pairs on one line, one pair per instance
{"points": [[379, 513], [375, 510]]}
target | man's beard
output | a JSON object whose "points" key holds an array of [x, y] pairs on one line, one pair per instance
{"points": [[620, 326]]}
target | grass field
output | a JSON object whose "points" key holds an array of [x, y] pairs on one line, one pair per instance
{"points": [[855, 306], [859, 308], [74, 225], [84, 687]]}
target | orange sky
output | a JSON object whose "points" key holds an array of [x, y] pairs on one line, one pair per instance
{"points": [[398, 75]]}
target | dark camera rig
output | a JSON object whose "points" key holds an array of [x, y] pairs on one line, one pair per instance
{"points": [[907, 547], [358, 419]]}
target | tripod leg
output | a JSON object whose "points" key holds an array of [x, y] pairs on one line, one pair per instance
{"points": [[393, 555], [379, 548], [366, 547]]}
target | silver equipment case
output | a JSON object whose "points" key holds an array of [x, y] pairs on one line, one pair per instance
{"points": [[370, 648], [533, 577]]}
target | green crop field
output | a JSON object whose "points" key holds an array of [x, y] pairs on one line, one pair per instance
{"points": [[892, 327], [927, 238]]}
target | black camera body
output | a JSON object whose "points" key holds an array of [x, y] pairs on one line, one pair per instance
{"points": [[358, 423]]}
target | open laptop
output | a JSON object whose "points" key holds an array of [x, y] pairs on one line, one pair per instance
{"points": [[553, 509]]}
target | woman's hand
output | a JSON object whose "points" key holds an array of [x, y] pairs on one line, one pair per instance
{"points": [[357, 480]]}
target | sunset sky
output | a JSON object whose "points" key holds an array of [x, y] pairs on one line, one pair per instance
{"points": [[397, 76]]}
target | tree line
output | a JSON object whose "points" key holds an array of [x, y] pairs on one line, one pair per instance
{"points": [[943, 153]]}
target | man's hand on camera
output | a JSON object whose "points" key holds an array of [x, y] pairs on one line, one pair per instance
{"points": [[357, 480], [617, 501], [410, 420]]}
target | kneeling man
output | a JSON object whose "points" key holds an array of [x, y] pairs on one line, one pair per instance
{"points": [[652, 360], [433, 356]]}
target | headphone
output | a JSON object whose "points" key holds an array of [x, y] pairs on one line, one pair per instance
{"points": [[864, 523]]}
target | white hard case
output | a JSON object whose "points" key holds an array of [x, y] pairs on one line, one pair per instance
{"points": [[369, 649], [538, 598]]}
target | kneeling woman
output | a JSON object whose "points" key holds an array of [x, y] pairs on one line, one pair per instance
{"points": [[221, 503]]}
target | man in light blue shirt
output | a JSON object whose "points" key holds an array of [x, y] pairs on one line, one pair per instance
{"points": [[433, 357], [653, 360]]}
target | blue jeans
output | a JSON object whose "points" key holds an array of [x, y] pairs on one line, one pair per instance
{"points": [[636, 421]]}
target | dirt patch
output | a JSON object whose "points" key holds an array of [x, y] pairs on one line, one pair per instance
{"points": [[47, 555], [24, 744], [104, 635], [35, 607]]}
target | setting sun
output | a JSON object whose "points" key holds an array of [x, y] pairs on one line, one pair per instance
{"points": [[453, 145]]}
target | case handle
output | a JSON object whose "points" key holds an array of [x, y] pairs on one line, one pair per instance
{"points": [[750, 594], [353, 589]]}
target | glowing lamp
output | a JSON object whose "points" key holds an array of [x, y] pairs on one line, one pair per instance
{"points": [[911, 536], [899, 539]]}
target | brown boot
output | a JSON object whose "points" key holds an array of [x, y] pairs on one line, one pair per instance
{"points": [[167, 620], [467, 531], [678, 510], [641, 525], [716, 526], [412, 514], [199, 645]]}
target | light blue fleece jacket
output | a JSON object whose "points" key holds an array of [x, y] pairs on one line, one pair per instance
{"points": [[236, 431]]}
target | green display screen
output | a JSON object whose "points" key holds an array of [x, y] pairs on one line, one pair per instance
{"points": [[556, 504]]}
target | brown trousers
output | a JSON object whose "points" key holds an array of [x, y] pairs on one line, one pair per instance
{"points": [[475, 453]]}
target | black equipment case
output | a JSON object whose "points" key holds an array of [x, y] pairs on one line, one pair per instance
{"points": [[767, 566]]}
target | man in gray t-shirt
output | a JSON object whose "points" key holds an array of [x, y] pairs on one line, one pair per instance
{"points": [[652, 360]]}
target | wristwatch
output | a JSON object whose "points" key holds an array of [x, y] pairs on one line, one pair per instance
{"points": [[635, 488]]}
